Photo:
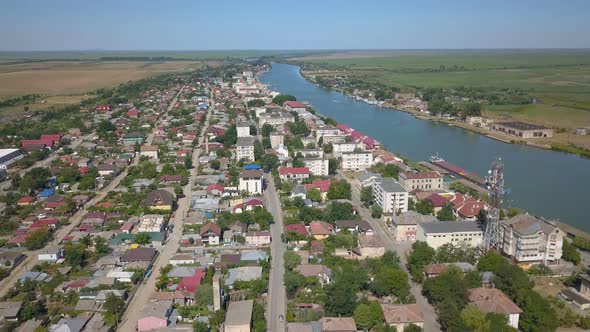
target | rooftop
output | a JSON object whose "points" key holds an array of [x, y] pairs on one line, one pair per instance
{"points": [[521, 125], [390, 185], [492, 300], [451, 227], [239, 313]]}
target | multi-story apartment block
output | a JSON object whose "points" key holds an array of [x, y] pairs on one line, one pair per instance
{"points": [[428, 180], [390, 195], [245, 148], [357, 161], [528, 239], [317, 166]]}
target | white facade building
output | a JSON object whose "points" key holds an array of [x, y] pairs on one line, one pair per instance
{"points": [[437, 234], [356, 161], [390, 195], [245, 148], [529, 239], [317, 166], [343, 147], [277, 139], [250, 181], [243, 129], [428, 180]]}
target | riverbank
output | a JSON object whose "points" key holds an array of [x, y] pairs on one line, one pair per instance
{"points": [[561, 142]]}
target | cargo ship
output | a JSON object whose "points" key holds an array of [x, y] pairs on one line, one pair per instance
{"points": [[440, 162]]}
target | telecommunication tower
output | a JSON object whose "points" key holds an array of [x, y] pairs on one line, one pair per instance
{"points": [[495, 184]]}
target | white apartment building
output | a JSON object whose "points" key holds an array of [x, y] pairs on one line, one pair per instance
{"points": [[245, 148], [310, 153], [275, 119], [437, 234], [326, 130], [429, 180], [344, 147], [250, 181], [150, 151], [243, 129], [357, 161], [529, 239], [390, 195], [334, 139], [317, 166]]}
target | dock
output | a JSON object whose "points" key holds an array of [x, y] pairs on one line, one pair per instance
{"points": [[460, 171], [479, 189], [433, 167]]}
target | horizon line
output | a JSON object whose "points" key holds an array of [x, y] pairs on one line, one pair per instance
{"points": [[298, 49]]}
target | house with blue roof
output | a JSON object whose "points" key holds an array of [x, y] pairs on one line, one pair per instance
{"points": [[46, 192]]}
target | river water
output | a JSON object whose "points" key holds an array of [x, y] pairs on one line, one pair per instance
{"points": [[545, 183]]}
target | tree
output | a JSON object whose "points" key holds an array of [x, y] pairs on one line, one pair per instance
{"points": [[376, 211], [538, 314], [87, 182], [391, 280], [33, 309], [200, 327], [446, 213], [291, 260], [368, 315], [332, 166], [37, 239], [342, 297], [293, 281], [267, 128], [188, 161], [340, 190], [314, 194], [450, 316], [475, 320], [215, 164], [328, 148], [424, 207], [413, 328], [490, 261], [256, 103], [367, 196], [280, 99], [75, 256], [570, 253], [258, 150], [142, 238], [338, 211], [113, 307], [422, 255]]}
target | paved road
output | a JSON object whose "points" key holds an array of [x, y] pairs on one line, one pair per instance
{"points": [[148, 287], [277, 302], [381, 229], [74, 221]]}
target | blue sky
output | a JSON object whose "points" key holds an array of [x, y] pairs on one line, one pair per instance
{"points": [[299, 24]]}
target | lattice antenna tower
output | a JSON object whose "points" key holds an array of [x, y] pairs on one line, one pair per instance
{"points": [[495, 184]]}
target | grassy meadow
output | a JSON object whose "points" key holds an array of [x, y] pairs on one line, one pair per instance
{"points": [[559, 79]]}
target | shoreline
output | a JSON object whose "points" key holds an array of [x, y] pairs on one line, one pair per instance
{"points": [[557, 147], [570, 230]]}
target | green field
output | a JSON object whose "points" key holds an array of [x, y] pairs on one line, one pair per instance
{"points": [[180, 55], [560, 79]]}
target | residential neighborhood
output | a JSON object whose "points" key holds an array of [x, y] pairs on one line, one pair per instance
{"points": [[209, 202]]}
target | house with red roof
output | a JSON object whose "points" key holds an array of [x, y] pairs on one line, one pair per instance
{"points": [[467, 207], [183, 152], [26, 200], [215, 189], [356, 135], [297, 228], [320, 229], [370, 143], [210, 234], [45, 223], [190, 284], [294, 106], [344, 128], [170, 179], [133, 113], [437, 201], [294, 174]]}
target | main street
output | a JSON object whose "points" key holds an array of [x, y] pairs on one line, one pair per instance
{"points": [[381, 229], [146, 289], [276, 291]]}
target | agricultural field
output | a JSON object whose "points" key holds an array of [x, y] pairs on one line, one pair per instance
{"points": [[74, 77], [558, 79]]}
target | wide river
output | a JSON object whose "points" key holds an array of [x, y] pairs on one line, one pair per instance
{"points": [[546, 183]]}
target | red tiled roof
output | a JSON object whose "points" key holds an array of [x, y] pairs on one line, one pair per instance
{"points": [[422, 175], [296, 228], [294, 104], [293, 170], [215, 186], [190, 284], [319, 227], [213, 227], [437, 200], [26, 199]]}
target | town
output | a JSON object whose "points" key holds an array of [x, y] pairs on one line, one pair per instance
{"points": [[206, 201]]}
